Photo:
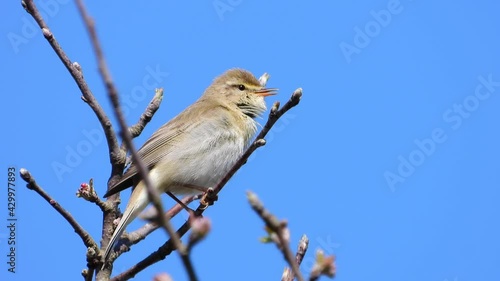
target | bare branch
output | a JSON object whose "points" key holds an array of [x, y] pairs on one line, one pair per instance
{"points": [[153, 195], [276, 227], [200, 227], [147, 115], [302, 249], [77, 74], [116, 155], [263, 79], [299, 256], [88, 193], [88, 274], [136, 129], [323, 265], [84, 235]]}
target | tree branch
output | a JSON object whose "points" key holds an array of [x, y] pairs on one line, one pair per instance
{"points": [[288, 274], [136, 129], [323, 265], [88, 193], [77, 74], [84, 235], [88, 274], [147, 115], [278, 228], [153, 195]]}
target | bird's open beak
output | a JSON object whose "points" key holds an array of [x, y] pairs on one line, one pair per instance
{"points": [[266, 92]]}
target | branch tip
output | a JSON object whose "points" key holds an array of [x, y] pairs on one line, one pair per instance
{"points": [[33, 185], [263, 79], [253, 199], [288, 274], [162, 277], [25, 174], [159, 93], [278, 233], [304, 242], [200, 227], [23, 3], [275, 108], [324, 265], [297, 95]]}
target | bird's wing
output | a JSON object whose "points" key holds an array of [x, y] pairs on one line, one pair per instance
{"points": [[168, 135]]}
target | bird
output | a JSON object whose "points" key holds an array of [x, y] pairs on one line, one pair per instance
{"points": [[196, 148]]}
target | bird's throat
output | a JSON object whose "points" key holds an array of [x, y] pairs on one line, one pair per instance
{"points": [[247, 110]]}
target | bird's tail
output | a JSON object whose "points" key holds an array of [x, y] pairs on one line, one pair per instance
{"points": [[137, 202]]}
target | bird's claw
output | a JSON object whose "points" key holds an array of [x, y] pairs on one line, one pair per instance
{"points": [[208, 198]]}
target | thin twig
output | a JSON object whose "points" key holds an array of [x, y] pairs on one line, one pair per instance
{"points": [[88, 193], [136, 129], [277, 227], [147, 115], [77, 74], [167, 247], [116, 157], [323, 265], [84, 235], [153, 195], [299, 256], [88, 274]]}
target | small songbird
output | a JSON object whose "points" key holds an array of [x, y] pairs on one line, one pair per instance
{"points": [[197, 147]]}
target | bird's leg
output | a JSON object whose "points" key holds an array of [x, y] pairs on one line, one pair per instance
{"points": [[208, 198], [184, 206]]}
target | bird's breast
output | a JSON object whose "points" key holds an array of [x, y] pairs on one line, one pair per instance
{"points": [[202, 160]]}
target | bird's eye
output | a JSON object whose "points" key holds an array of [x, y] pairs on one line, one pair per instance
{"points": [[241, 87]]}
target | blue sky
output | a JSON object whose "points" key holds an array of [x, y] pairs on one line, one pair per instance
{"points": [[390, 162]]}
